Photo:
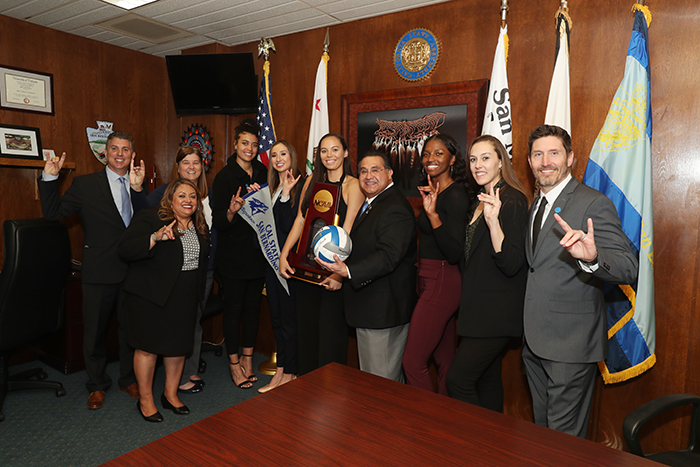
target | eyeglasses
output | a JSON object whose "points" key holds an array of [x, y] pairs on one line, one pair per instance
{"points": [[373, 170]]}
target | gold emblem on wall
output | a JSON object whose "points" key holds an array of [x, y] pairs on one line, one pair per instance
{"points": [[416, 54]]}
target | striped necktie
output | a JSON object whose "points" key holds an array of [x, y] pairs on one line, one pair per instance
{"points": [[126, 202]]}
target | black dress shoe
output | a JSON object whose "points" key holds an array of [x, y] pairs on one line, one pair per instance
{"points": [[198, 381], [198, 386], [155, 418], [183, 410]]}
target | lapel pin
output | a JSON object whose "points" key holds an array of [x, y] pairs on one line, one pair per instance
{"points": [[557, 209]]}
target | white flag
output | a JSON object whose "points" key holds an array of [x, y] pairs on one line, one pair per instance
{"points": [[559, 102], [319, 112], [497, 120]]}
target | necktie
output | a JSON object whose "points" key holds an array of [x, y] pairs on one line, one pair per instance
{"points": [[537, 224], [126, 202], [364, 207]]}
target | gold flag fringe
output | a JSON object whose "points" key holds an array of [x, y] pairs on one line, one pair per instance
{"points": [[565, 13], [506, 43], [644, 9], [629, 373]]}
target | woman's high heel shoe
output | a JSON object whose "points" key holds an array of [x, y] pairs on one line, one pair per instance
{"points": [[182, 410], [252, 378], [246, 383], [155, 418]]}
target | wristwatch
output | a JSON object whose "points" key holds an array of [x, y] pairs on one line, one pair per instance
{"points": [[591, 263]]}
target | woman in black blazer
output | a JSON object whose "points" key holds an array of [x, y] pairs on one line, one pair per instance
{"points": [[239, 259], [167, 251], [493, 276]]}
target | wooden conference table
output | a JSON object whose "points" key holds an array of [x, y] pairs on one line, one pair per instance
{"points": [[337, 415]]}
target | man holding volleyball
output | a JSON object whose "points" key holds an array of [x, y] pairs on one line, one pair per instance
{"points": [[380, 270]]}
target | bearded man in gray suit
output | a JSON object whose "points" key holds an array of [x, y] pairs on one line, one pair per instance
{"points": [[565, 324]]}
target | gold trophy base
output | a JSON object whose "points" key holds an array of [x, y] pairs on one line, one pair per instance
{"points": [[269, 367]]}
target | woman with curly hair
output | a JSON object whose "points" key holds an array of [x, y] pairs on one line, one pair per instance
{"points": [[167, 251], [441, 225]]}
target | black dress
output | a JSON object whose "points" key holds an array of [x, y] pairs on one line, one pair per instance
{"points": [[163, 287], [321, 326]]}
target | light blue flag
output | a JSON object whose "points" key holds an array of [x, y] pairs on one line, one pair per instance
{"points": [[620, 167]]}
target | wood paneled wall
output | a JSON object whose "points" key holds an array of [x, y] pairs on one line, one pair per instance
{"points": [[94, 81], [361, 61]]}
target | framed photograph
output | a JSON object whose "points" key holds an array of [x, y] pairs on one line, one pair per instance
{"points": [[21, 142], [399, 121], [26, 90]]}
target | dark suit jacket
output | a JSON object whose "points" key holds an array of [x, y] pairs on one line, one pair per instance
{"points": [[493, 284], [564, 316], [90, 196], [382, 290], [153, 273]]}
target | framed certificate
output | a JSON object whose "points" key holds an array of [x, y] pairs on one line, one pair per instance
{"points": [[26, 90], [22, 142]]}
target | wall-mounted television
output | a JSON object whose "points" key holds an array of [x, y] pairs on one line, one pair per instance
{"points": [[204, 84]]}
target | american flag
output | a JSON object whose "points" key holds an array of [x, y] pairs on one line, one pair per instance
{"points": [[267, 128]]}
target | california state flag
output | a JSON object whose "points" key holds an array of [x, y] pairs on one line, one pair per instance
{"points": [[319, 113]]}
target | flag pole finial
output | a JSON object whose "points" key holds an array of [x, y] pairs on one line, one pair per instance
{"points": [[264, 47], [327, 41], [504, 12]]}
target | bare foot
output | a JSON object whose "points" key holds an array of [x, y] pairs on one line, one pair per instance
{"points": [[274, 382], [287, 378]]}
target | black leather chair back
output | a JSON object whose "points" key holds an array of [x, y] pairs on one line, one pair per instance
{"points": [[32, 280]]}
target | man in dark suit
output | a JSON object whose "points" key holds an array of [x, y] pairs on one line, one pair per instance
{"points": [[565, 323], [381, 270], [103, 201]]}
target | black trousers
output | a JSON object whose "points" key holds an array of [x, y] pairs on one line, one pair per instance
{"points": [[321, 327], [99, 302], [475, 373], [241, 310], [283, 317]]}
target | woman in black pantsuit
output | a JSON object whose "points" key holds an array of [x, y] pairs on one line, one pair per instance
{"points": [[239, 259], [167, 251], [493, 277]]}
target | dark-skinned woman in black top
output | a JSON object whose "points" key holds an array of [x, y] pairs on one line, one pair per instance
{"points": [[240, 261], [441, 225]]}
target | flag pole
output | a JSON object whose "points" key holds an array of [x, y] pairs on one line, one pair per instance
{"points": [[319, 111], [504, 12]]}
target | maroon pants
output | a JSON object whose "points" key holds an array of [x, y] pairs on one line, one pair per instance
{"points": [[433, 325]]}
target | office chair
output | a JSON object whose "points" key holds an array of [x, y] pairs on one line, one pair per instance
{"points": [[214, 306], [634, 421], [32, 286]]}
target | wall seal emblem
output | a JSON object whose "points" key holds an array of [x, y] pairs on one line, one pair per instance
{"points": [[198, 136], [416, 54]]}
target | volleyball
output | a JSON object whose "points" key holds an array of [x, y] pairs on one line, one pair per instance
{"points": [[332, 240]]}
